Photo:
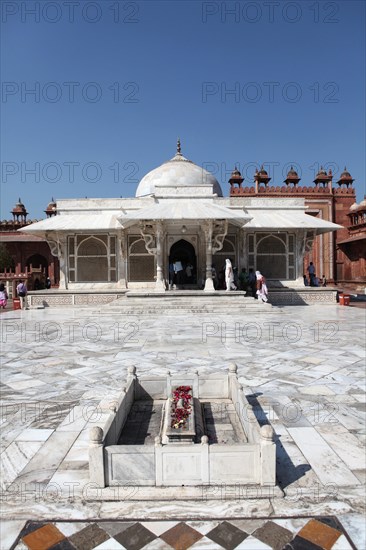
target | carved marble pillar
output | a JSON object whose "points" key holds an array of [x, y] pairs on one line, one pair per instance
{"points": [[215, 233], [208, 229], [160, 283], [122, 247], [58, 249], [155, 236]]}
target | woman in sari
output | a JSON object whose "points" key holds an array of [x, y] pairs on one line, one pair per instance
{"points": [[262, 290]]}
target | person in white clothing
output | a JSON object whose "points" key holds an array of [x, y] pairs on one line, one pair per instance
{"points": [[229, 276], [262, 290]]}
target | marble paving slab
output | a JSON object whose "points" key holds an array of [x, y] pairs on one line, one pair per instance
{"points": [[15, 458], [321, 457], [345, 444]]}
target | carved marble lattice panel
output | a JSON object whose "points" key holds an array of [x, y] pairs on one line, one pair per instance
{"points": [[272, 266], [141, 268], [84, 299], [92, 269], [51, 300], [299, 297]]}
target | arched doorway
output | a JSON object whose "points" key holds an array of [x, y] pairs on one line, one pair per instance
{"points": [[38, 271], [184, 252]]}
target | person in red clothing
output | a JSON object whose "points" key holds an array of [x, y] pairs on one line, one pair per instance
{"points": [[262, 290]]}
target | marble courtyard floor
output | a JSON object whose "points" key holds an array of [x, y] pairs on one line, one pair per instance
{"points": [[302, 368]]}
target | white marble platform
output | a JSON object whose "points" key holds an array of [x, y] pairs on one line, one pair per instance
{"points": [[303, 368]]}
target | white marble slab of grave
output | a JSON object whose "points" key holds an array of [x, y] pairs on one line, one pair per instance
{"points": [[176, 430]]}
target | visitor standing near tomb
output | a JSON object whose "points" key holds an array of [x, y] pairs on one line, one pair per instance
{"points": [[189, 273], [229, 276], [221, 279], [252, 280], [243, 279], [214, 277], [22, 292], [171, 275], [262, 290], [178, 270], [3, 296], [324, 281], [311, 271], [48, 283], [306, 282], [236, 277]]}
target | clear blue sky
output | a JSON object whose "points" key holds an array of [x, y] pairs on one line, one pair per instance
{"points": [[117, 82]]}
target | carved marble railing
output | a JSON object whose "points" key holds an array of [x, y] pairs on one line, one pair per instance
{"points": [[166, 464]]}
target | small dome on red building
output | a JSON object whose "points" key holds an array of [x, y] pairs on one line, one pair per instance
{"points": [[235, 172], [345, 173], [51, 208], [19, 211], [19, 208], [323, 177], [345, 178], [292, 177], [321, 173], [236, 177], [262, 171], [262, 176]]}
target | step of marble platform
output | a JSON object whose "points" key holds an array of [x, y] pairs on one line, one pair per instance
{"points": [[149, 301], [184, 304]]}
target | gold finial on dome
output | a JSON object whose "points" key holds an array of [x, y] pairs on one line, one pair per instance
{"points": [[178, 147]]}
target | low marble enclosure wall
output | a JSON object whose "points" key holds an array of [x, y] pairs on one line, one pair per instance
{"points": [[191, 465], [160, 387], [93, 297], [302, 296], [67, 298], [251, 462], [102, 437]]}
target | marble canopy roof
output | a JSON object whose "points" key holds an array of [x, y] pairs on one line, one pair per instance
{"points": [[251, 217], [88, 221], [184, 210], [285, 219]]}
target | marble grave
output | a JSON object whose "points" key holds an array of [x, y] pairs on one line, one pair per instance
{"points": [[182, 445]]}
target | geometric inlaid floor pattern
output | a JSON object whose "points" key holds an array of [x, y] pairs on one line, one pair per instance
{"points": [[315, 533]]}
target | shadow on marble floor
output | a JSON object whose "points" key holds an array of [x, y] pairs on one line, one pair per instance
{"points": [[292, 472]]}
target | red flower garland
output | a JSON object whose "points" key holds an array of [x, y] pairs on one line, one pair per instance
{"points": [[180, 415]]}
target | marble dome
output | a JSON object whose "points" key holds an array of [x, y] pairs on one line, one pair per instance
{"points": [[179, 172]]}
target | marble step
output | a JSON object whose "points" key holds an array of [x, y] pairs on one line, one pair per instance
{"points": [[157, 305]]}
